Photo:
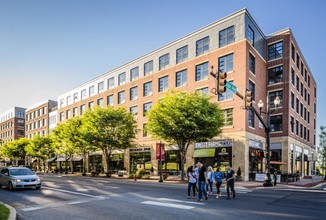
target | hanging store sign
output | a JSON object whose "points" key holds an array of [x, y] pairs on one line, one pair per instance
{"points": [[214, 144], [160, 154]]}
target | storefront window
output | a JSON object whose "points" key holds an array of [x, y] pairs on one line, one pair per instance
{"points": [[140, 160], [255, 162], [172, 162]]}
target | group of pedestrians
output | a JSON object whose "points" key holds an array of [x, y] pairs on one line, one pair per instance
{"points": [[201, 179]]}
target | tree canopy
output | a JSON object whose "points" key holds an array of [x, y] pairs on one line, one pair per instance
{"points": [[182, 118]]}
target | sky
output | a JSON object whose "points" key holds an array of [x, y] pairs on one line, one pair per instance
{"points": [[49, 47]]}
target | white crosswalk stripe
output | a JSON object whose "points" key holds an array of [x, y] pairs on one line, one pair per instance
{"points": [[174, 203]]}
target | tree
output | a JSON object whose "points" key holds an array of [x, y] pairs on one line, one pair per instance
{"points": [[40, 147], [69, 140], [322, 149], [109, 129], [15, 150], [182, 118]]}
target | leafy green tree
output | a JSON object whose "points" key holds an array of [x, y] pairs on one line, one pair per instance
{"points": [[322, 149], [70, 140], [109, 129], [182, 118], [40, 147], [15, 150]]}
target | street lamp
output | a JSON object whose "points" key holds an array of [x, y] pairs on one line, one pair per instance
{"points": [[277, 101], [161, 179]]}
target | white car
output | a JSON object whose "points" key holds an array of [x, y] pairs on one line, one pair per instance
{"points": [[19, 177]]}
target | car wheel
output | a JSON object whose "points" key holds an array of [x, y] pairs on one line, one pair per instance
{"points": [[38, 187], [11, 187]]}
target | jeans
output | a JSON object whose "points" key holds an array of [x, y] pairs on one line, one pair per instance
{"points": [[193, 185], [230, 184], [218, 185], [210, 184], [201, 186]]}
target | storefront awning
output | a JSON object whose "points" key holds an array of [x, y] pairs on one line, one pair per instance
{"points": [[61, 159], [210, 152], [51, 160], [278, 163], [76, 158]]}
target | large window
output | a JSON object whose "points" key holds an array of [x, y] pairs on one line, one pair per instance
{"points": [[83, 94], [134, 73], [82, 109], [164, 61], [181, 78], [202, 71], [111, 83], [252, 89], [121, 97], [202, 46], [91, 91], [182, 54], [100, 87], [292, 100], [225, 63], [275, 75], [293, 52], [133, 93], [110, 100], [100, 102], [298, 83], [272, 96], [251, 118], [275, 50], [276, 123], [226, 36], [228, 117], [148, 68], [292, 124], [228, 94], [292, 77], [203, 90], [147, 89], [251, 63], [121, 79], [163, 83], [134, 110], [297, 107], [251, 36], [146, 107]]}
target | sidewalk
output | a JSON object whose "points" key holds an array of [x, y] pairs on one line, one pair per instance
{"points": [[13, 214]]}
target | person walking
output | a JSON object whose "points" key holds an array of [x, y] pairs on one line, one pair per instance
{"points": [[202, 181], [192, 180], [218, 177], [210, 179], [230, 175]]}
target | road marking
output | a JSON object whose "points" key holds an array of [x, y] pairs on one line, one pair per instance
{"points": [[180, 201], [72, 192], [59, 204], [177, 206]]}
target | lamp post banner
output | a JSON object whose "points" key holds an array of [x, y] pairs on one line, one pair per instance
{"points": [[158, 156]]}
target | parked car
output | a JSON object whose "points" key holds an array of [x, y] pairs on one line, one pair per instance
{"points": [[19, 177]]}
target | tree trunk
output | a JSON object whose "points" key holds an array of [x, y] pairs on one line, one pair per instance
{"points": [[108, 153]]}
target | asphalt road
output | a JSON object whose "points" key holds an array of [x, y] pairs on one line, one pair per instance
{"points": [[102, 198]]}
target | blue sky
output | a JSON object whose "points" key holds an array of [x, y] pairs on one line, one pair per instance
{"points": [[49, 47]]}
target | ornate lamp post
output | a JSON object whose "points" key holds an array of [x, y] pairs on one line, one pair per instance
{"points": [[277, 101]]}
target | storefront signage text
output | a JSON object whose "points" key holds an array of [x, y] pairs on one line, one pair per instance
{"points": [[136, 150], [214, 144]]}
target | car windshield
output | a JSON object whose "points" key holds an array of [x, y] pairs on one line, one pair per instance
{"points": [[20, 172]]}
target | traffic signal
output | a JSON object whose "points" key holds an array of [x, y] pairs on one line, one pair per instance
{"points": [[247, 99], [221, 82]]}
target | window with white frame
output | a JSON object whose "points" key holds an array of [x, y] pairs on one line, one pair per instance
{"points": [[100, 86], [225, 63], [202, 71], [228, 117], [121, 79], [121, 97], [202, 46], [147, 89], [182, 54], [226, 36], [148, 68], [164, 61], [163, 83], [111, 83], [134, 93], [91, 90], [110, 101], [134, 73]]}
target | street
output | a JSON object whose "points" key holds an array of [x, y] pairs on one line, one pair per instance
{"points": [[68, 197]]}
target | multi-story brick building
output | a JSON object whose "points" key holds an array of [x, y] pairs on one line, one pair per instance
{"points": [[268, 65], [38, 117], [12, 126]]}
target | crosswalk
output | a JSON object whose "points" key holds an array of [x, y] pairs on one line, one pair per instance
{"points": [[186, 204]]}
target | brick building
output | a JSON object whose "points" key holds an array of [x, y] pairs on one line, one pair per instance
{"points": [[12, 126], [268, 65]]}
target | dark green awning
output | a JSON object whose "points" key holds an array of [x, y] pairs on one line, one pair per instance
{"points": [[210, 152]]}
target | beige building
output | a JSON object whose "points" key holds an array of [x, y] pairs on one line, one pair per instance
{"points": [[268, 65]]}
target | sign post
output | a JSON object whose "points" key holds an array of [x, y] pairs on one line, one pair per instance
{"points": [[159, 155]]}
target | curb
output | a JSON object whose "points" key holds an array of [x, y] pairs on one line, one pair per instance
{"points": [[13, 214]]}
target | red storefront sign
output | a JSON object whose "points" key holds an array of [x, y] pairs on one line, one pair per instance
{"points": [[158, 151]]}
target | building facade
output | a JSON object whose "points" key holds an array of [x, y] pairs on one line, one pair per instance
{"points": [[269, 66], [12, 127], [38, 118]]}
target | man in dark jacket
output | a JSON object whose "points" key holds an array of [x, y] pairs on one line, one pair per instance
{"points": [[230, 175]]}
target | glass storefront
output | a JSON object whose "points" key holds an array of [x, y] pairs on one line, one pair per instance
{"points": [[140, 158], [256, 157], [214, 153]]}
